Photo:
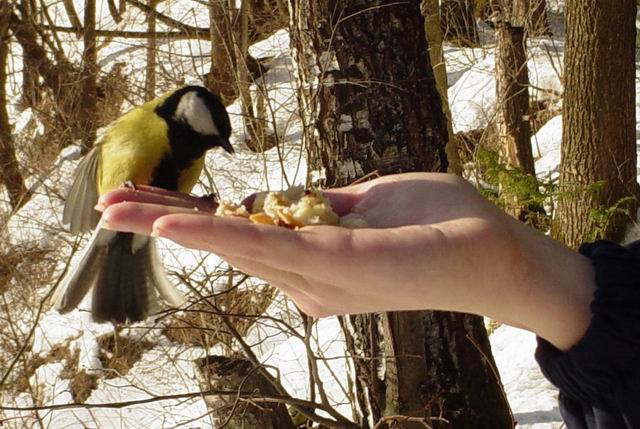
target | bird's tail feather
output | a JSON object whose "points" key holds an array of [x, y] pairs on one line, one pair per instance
{"points": [[126, 275]]}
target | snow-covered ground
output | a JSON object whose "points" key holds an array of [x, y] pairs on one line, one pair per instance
{"points": [[167, 366]]}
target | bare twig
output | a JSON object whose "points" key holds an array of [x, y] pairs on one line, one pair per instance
{"points": [[178, 34], [283, 399], [388, 420]]}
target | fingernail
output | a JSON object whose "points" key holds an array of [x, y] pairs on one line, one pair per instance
{"points": [[100, 206], [104, 221], [155, 232]]}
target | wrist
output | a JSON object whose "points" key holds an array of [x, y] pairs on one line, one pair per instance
{"points": [[557, 286]]}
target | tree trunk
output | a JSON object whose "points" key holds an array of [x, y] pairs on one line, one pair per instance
{"points": [[221, 77], [150, 77], [10, 174], [254, 124], [512, 87], [376, 109], [521, 197], [598, 169], [431, 11], [88, 103], [229, 374], [529, 14], [463, 376], [30, 90], [459, 22], [57, 76], [264, 18]]}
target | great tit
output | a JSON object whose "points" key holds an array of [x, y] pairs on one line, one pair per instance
{"points": [[161, 143]]}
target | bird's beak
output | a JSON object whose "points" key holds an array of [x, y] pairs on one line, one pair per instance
{"points": [[224, 144]]}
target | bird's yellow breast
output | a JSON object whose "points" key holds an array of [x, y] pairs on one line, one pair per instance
{"points": [[133, 147]]}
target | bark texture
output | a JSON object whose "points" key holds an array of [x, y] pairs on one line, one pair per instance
{"points": [[88, 104], [371, 96], [10, 174], [378, 108], [229, 374], [463, 380], [431, 11], [598, 136], [512, 84], [220, 79]]}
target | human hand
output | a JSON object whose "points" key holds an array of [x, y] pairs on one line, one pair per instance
{"points": [[433, 242]]}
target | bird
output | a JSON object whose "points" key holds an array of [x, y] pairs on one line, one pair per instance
{"points": [[161, 143]]}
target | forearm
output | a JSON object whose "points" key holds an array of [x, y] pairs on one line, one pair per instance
{"points": [[555, 290]]}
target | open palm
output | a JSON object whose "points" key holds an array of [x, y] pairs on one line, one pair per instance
{"points": [[432, 241]]}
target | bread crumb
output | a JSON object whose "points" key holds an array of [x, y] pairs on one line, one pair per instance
{"points": [[292, 208]]}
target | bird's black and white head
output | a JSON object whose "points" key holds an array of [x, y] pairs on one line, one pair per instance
{"points": [[196, 117]]}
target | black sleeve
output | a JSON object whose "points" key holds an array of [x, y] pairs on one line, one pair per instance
{"points": [[599, 377]]}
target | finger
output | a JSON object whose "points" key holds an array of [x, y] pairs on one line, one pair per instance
{"points": [[168, 198], [326, 255], [308, 250], [156, 190], [137, 217], [292, 285]]}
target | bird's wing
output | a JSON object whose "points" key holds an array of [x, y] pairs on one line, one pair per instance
{"points": [[79, 210]]}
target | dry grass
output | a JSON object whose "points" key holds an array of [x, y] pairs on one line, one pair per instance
{"points": [[57, 354], [118, 354], [20, 264], [202, 326], [82, 384]]}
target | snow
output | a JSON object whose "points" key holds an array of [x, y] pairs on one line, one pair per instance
{"points": [[472, 90], [532, 398], [546, 147]]}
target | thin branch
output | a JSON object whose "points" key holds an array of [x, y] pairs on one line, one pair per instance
{"points": [[71, 13], [315, 373], [179, 34], [170, 21], [389, 420], [124, 404]]}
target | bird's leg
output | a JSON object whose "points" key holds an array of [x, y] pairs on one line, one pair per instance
{"points": [[211, 200], [129, 185], [209, 197], [116, 335]]}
